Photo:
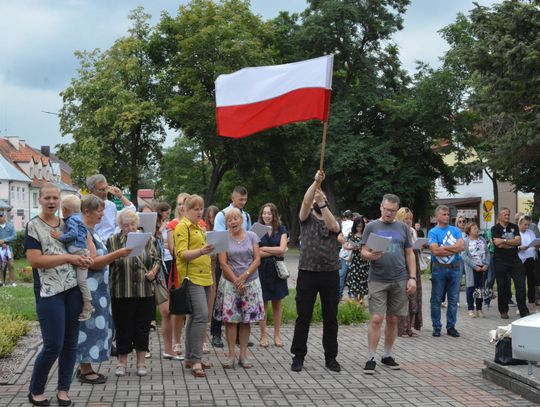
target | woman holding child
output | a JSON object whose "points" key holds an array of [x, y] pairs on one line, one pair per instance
{"points": [[58, 299]]}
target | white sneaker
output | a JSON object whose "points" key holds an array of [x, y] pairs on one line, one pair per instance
{"points": [[14, 284]]}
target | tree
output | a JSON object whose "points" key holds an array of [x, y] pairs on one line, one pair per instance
{"points": [[203, 41], [499, 51], [111, 112]]}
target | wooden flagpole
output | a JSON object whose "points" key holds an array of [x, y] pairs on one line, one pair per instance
{"points": [[323, 145]]}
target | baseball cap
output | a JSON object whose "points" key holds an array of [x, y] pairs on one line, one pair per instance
{"points": [[347, 214]]}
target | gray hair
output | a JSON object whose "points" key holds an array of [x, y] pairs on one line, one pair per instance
{"points": [[91, 203], [441, 208], [390, 198], [127, 215], [95, 179]]}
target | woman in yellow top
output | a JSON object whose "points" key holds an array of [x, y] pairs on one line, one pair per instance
{"points": [[193, 261]]}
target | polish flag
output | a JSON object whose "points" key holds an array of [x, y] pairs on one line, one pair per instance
{"points": [[255, 99]]}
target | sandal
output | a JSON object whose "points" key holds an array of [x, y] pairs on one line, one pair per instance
{"points": [[205, 348], [206, 364], [153, 326], [198, 372], [412, 334], [245, 363], [278, 343], [263, 342], [228, 363], [83, 378]]}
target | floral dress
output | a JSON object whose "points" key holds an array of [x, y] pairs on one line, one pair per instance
{"points": [[357, 276]]}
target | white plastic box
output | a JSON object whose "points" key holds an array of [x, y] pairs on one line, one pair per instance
{"points": [[526, 338]]}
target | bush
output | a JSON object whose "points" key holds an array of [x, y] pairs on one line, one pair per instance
{"points": [[13, 327], [348, 312], [24, 274], [18, 245]]}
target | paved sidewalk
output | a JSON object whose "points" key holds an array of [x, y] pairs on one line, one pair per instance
{"points": [[435, 372]]}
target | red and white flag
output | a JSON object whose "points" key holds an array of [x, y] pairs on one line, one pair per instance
{"points": [[254, 99]]}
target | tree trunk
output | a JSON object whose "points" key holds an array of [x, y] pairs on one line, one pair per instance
{"points": [[495, 182], [536, 206], [218, 170]]}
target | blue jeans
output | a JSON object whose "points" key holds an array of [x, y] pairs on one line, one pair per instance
{"points": [[444, 279], [342, 274], [59, 323]]}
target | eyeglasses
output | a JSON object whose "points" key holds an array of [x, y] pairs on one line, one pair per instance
{"points": [[389, 210], [460, 221]]}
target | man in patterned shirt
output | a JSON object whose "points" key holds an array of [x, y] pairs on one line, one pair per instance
{"points": [[445, 242]]}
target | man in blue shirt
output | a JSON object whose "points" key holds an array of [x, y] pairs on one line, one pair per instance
{"points": [[7, 237], [445, 242]]}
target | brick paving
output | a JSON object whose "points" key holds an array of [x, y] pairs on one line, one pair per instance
{"points": [[435, 371]]}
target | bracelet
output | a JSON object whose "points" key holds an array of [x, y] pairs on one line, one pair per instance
{"points": [[324, 206], [412, 278]]}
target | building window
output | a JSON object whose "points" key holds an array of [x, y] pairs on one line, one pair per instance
{"points": [[39, 173], [32, 172], [18, 193], [12, 193], [34, 199]]}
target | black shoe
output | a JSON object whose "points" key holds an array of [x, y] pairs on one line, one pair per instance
{"points": [[504, 315], [250, 344], [333, 365], [390, 362], [369, 368], [45, 402], [453, 333], [436, 332], [217, 342], [62, 402], [297, 364]]}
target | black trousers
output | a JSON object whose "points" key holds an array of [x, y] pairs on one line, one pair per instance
{"points": [[132, 318], [308, 285], [215, 325], [514, 270], [530, 265]]}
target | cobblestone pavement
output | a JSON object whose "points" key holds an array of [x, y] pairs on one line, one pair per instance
{"points": [[435, 371]]}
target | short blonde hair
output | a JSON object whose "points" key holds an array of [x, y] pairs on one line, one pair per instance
{"points": [[183, 196], [232, 213], [127, 215], [72, 202], [402, 212], [192, 201]]}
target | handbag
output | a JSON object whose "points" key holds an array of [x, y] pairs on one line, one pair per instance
{"points": [[179, 300], [503, 353], [282, 270], [160, 292]]}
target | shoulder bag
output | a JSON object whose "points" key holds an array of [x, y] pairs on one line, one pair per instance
{"points": [[281, 269]]}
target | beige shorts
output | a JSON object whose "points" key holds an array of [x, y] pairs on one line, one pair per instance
{"points": [[388, 298]]}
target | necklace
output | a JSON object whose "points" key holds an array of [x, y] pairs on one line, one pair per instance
{"points": [[238, 241]]}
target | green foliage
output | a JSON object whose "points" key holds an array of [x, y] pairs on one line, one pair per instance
{"points": [[110, 110], [496, 53], [19, 300], [13, 327], [348, 312]]}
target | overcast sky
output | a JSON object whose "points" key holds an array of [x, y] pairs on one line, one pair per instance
{"points": [[39, 38]]}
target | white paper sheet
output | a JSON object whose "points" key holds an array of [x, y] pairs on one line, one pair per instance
{"points": [[260, 230], [220, 240], [378, 243], [535, 242], [147, 221], [137, 241], [420, 242]]}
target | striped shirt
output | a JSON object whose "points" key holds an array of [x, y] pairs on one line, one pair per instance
{"points": [[126, 275]]}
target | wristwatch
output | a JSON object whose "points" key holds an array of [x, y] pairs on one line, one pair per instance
{"points": [[505, 240]]}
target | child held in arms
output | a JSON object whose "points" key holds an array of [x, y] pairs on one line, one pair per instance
{"points": [[76, 238]]}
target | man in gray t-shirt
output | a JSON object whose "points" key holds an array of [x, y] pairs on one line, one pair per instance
{"points": [[392, 276]]}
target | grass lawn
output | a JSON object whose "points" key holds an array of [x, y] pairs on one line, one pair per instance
{"points": [[19, 300]]}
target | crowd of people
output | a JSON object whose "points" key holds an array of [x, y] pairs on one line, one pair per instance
{"points": [[95, 298]]}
